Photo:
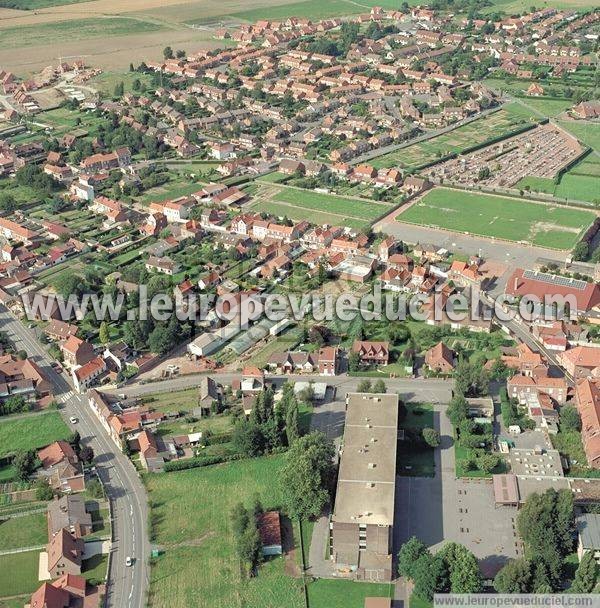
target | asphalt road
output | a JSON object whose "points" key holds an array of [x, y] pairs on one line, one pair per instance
{"points": [[435, 389], [126, 586]]}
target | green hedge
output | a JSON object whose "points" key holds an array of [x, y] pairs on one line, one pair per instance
{"points": [[198, 461]]}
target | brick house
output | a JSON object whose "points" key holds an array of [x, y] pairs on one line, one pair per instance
{"points": [[440, 358], [372, 353]]}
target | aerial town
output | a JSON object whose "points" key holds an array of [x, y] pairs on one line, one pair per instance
{"points": [[414, 187]]}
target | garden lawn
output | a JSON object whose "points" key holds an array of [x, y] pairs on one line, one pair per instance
{"points": [[569, 444], [190, 519], [501, 217], [22, 532], [31, 432], [327, 593], [19, 573]]}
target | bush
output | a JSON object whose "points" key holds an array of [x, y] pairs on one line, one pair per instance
{"points": [[198, 461]]}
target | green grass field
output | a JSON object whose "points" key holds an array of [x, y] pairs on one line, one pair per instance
{"points": [[19, 573], [298, 213], [73, 30], [579, 183], [315, 9], [504, 120], [21, 532], [587, 132], [31, 432], [190, 518], [316, 201], [501, 217], [326, 593]]}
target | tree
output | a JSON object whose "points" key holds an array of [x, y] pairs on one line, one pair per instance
{"points": [[168, 52], [25, 463], [43, 491], [488, 462], [292, 430], [247, 438], [431, 437], [514, 577], [119, 90], [379, 386], [364, 386], [471, 379], [457, 410], [465, 576], [86, 454], [408, 555], [353, 362], [570, 419], [104, 333], [306, 476], [430, 576], [586, 575]]}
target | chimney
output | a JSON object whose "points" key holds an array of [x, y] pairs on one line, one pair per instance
{"points": [[516, 284]]}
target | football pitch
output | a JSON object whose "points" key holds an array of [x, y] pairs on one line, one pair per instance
{"points": [[511, 219]]}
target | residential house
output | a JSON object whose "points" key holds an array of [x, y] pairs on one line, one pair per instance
{"points": [[371, 352], [440, 358], [86, 375], [587, 398], [68, 512], [65, 553], [76, 351], [582, 361], [62, 468]]}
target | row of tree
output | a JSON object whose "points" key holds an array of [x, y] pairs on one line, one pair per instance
{"points": [[246, 535]]}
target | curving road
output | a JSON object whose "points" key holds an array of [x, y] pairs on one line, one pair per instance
{"points": [[126, 586]]}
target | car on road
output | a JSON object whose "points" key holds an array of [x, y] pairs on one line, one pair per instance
{"points": [[56, 367], [129, 561], [73, 420]]}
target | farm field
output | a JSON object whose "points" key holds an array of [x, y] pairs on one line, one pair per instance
{"points": [[504, 120], [31, 432], [19, 573], [27, 531], [499, 217], [31, 5], [313, 9], [72, 30], [190, 520], [579, 183]]}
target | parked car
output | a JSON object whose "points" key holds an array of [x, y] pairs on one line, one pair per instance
{"points": [[73, 420]]}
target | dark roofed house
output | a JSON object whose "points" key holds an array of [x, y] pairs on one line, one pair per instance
{"points": [[69, 512], [208, 394], [269, 528]]}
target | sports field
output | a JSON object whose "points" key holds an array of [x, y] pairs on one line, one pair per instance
{"points": [[317, 207], [504, 120], [501, 217]]}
